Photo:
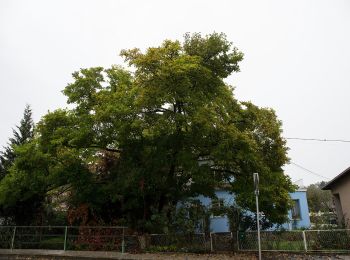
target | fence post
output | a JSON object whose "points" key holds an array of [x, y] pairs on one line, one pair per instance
{"points": [[65, 238], [123, 242], [211, 242], [205, 242], [13, 238], [304, 239], [237, 240]]}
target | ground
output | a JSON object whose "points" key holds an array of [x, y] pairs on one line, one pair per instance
{"points": [[84, 255]]}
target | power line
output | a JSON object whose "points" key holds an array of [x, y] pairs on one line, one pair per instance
{"points": [[317, 139], [305, 169]]}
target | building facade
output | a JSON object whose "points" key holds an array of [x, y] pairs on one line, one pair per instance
{"points": [[340, 188], [298, 216]]}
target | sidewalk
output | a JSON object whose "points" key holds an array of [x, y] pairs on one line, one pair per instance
{"points": [[85, 255], [29, 254], [60, 254]]}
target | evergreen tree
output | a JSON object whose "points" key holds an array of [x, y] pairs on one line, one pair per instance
{"points": [[21, 135]]}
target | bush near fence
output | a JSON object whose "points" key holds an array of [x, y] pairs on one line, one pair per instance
{"points": [[122, 239], [69, 238], [195, 243], [276, 240], [6, 234], [223, 242], [330, 240], [95, 238]]}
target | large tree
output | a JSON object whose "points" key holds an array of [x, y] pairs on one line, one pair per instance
{"points": [[139, 141]]}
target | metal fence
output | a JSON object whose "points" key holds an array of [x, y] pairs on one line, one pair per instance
{"points": [[223, 241], [328, 240], [123, 240], [68, 238], [337, 240], [272, 240], [178, 243]]}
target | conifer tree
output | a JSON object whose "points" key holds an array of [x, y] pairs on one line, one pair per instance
{"points": [[21, 135]]}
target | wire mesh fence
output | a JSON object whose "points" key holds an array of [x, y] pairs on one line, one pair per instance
{"points": [[6, 234], [121, 239], [67, 238], [179, 243], [40, 237], [272, 240], [223, 241], [337, 240], [95, 238], [329, 240]]}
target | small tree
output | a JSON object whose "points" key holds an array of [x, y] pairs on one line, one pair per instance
{"points": [[321, 206], [21, 135], [318, 199]]}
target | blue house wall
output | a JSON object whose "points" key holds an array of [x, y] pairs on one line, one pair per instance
{"points": [[304, 220], [221, 223]]}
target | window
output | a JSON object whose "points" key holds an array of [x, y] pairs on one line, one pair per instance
{"points": [[296, 210], [217, 207]]}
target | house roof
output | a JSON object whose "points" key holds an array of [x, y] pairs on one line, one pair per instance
{"points": [[336, 179]]}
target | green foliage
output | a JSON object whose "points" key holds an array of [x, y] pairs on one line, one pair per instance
{"points": [[17, 204], [318, 199], [195, 243], [190, 217], [320, 202], [132, 145], [22, 135], [23, 189], [156, 249], [52, 243], [329, 240], [243, 220]]}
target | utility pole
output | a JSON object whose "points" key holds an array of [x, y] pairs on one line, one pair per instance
{"points": [[256, 187]]}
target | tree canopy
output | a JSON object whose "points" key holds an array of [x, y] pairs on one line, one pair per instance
{"points": [[140, 140], [318, 199]]}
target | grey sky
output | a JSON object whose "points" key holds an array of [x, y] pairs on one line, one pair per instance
{"points": [[297, 59]]}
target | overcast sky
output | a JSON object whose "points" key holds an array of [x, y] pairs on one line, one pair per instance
{"points": [[297, 59]]}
